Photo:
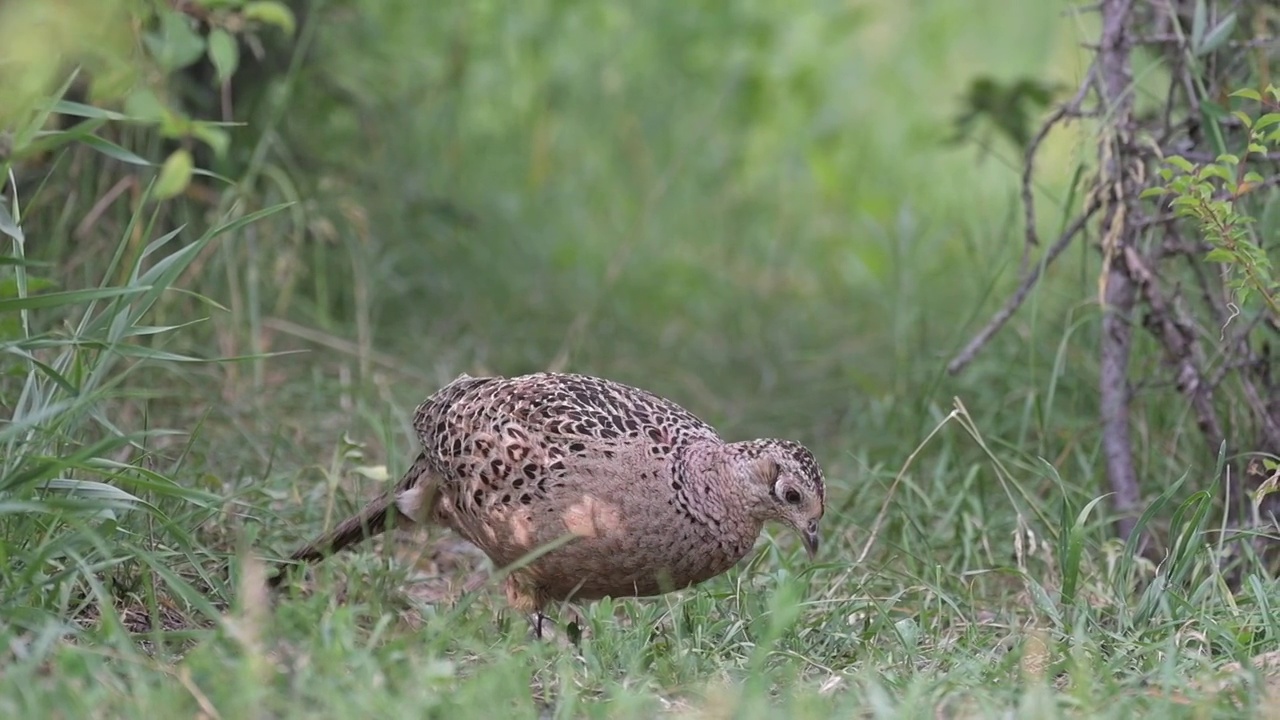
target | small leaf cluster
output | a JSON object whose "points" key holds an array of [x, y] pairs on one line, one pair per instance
{"points": [[1211, 194], [124, 58], [176, 43]]}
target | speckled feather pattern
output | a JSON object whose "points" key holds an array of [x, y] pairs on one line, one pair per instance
{"points": [[643, 495]]}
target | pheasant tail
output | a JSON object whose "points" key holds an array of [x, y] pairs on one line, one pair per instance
{"points": [[377, 517]]}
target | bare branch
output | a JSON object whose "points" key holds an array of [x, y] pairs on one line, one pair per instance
{"points": [[1117, 337], [1113, 388], [1204, 157], [1181, 41], [1069, 109], [1212, 299], [1182, 352], [1031, 275], [1115, 81], [1203, 340], [1002, 316]]}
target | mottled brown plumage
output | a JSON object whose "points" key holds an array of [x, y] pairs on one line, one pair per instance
{"points": [[644, 497]]}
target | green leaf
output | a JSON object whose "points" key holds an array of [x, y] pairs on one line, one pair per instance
{"points": [[94, 490], [8, 226], [35, 122], [175, 125], [58, 378], [1121, 577], [252, 217], [175, 174], [1219, 255], [213, 136], [68, 297], [1152, 192], [1180, 162], [50, 140], [270, 12], [1212, 112], [176, 44], [114, 151], [1218, 36], [114, 81], [1212, 109], [1229, 159], [1075, 548], [22, 262], [143, 104], [165, 271], [1217, 171], [224, 53], [1266, 121], [1243, 117], [9, 286], [153, 481], [1187, 529], [75, 109], [1248, 93], [1199, 20]]}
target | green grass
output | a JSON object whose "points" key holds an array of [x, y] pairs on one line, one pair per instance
{"points": [[749, 209]]}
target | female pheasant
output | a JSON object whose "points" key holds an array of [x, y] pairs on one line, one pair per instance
{"points": [[634, 494]]}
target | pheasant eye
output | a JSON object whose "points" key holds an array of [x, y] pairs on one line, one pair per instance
{"points": [[792, 496]]}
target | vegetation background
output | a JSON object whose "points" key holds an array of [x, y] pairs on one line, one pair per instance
{"points": [[246, 238]]}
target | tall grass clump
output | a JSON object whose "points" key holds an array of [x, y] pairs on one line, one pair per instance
{"points": [[84, 510], [98, 525]]}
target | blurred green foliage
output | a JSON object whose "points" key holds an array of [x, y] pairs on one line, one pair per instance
{"points": [[747, 189], [1012, 109], [1210, 194]]}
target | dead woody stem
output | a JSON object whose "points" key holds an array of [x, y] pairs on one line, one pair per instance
{"points": [[1214, 353]]}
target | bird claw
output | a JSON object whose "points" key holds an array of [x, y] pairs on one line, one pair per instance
{"points": [[542, 628], [538, 623]]}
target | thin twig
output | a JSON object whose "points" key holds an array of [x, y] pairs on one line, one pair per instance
{"points": [[1212, 300], [100, 206], [1182, 352], [1002, 316], [1069, 109], [888, 497], [1204, 157], [1174, 39], [342, 345]]}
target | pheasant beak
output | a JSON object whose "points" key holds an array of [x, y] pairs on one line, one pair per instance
{"points": [[810, 538]]}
